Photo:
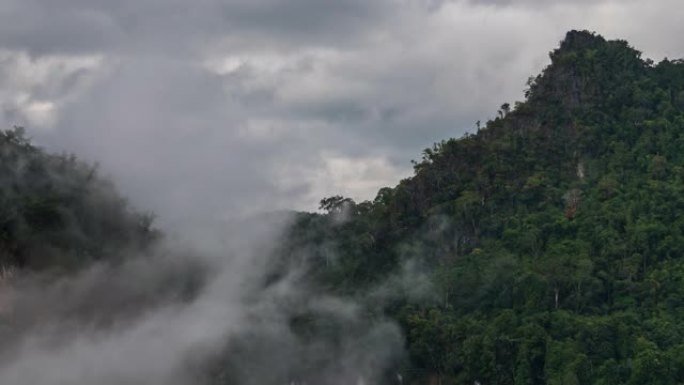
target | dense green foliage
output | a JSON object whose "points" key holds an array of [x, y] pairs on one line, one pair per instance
{"points": [[57, 213], [554, 235]]}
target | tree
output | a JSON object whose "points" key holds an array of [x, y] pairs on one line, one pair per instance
{"points": [[336, 204]]}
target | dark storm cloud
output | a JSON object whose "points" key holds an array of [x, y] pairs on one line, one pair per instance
{"points": [[536, 2], [77, 26]]}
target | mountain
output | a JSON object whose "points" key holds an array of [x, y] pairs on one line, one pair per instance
{"points": [[553, 235]]}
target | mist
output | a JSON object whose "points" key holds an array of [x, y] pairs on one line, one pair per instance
{"points": [[191, 317]]}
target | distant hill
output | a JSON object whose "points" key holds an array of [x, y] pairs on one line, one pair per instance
{"points": [[553, 233], [57, 213]]}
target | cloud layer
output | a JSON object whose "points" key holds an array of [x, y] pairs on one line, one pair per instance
{"points": [[233, 107]]}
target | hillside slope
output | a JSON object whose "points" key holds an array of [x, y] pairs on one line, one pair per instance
{"points": [[57, 213], [553, 234]]}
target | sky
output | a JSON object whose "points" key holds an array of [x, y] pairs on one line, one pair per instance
{"points": [[223, 108]]}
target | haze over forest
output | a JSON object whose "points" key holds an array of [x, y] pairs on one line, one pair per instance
{"points": [[242, 207]]}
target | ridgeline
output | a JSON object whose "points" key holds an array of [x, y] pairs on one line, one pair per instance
{"points": [[553, 234]]}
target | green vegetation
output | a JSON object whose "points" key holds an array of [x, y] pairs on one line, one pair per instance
{"points": [[56, 213], [554, 235]]}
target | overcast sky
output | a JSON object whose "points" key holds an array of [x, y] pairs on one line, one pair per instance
{"points": [[217, 108]]}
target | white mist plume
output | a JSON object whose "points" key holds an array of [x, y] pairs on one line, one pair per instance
{"points": [[163, 319]]}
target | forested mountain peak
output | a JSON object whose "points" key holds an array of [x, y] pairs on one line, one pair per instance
{"points": [[585, 70], [579, 40], [553, 233]]}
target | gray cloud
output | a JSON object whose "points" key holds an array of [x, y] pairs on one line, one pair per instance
{"points": [[77, 26], [227, 108], [542, 3]]}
